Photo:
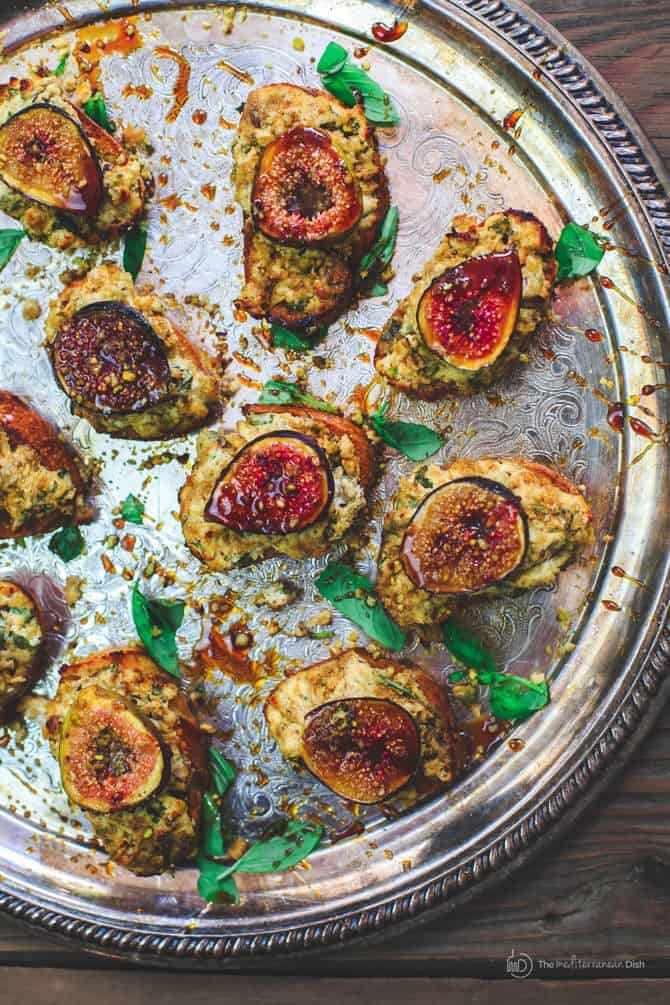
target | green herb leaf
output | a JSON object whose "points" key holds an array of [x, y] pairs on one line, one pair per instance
{"points": [[513, 697], [412, 439], [347, 80], [221, 772], [132, 509], [298, 341], [578, 252], [67, 543], [281, 392], [157, 623], [96, 109], [215, 882], [466, 648], [397, 687], [333, 58], [134, 246], [379, 290], [355, 597], [62, 63], [9, 242], [381, 252]]}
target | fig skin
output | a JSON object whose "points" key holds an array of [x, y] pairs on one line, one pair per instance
{"points": [[484, 548], [303, 192], [135, 374], [283, 515], [364, 749], [135, 765], [469, 313], [53, 164]]}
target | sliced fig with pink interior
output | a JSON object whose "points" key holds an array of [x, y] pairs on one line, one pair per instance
{"points": [[468, 314], [110, 756], [108, 358], [46, 156], [277, 484], [364, 749], [465, 536], [303, 192]]}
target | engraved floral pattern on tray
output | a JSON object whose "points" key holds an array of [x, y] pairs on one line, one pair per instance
{"points": [[437, 169]]}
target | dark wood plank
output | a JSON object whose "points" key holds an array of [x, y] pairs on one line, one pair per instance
{"points": [[604, 892], [628, 41], [49, 987]]}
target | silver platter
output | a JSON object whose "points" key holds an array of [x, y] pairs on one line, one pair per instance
{"points": [[575, 153]]}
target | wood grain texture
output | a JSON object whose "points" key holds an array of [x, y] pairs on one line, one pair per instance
{"points": [[603, 893]]}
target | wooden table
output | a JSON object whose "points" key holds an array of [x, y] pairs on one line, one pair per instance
{"points": [[602, 894]]}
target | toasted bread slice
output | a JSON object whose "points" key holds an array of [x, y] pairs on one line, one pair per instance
{"points": [[402, 355], [163, 831], [559, 527], [300, 286], [350, 458], [42, 484], [354, 674], [22, 650], [125, 174], [193, 398]]}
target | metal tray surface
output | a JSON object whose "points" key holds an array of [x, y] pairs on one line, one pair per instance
{"points": [[575, 153]]}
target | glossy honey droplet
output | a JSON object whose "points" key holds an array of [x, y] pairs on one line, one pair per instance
{"points": [[389, 33]]}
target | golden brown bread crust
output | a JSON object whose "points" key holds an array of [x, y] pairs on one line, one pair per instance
{"points": [[173, 813], [402, 356], [23, 425], [356, 674], [339, 425], [305, 287]]}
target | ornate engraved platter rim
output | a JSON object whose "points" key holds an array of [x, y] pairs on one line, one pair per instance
{"points": [[525, 32]]}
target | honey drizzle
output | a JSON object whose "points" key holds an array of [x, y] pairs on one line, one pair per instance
{"points": [[180, 90]]}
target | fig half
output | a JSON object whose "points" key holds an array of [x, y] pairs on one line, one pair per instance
{"points": [[111, 757], [303, 192], [107, 358], [364, 749], [469, 313], [45, 156], [465, 536], [277, 484]]}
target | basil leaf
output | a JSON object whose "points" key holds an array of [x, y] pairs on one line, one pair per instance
{"points": [[67, 543], [379, 290], [9, 242], [381, 252], [283, 851], [157, 623], [215, 882], [412, 439], [96, 109], [578, 252], [332, 59], [467, 649], [298, 341], [515, 697], [221, 772], [134, 246], [346, 81], [60, 66], [354, 596], [281, 392], [132, 509]]}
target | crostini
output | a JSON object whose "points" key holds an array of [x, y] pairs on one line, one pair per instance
{"points": [[22, 650], [66, 179], [131, 756], [366, 728], [125, 366], [312, 187], [289, 481], [477, 527], [43, 484], [473, 309]]}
